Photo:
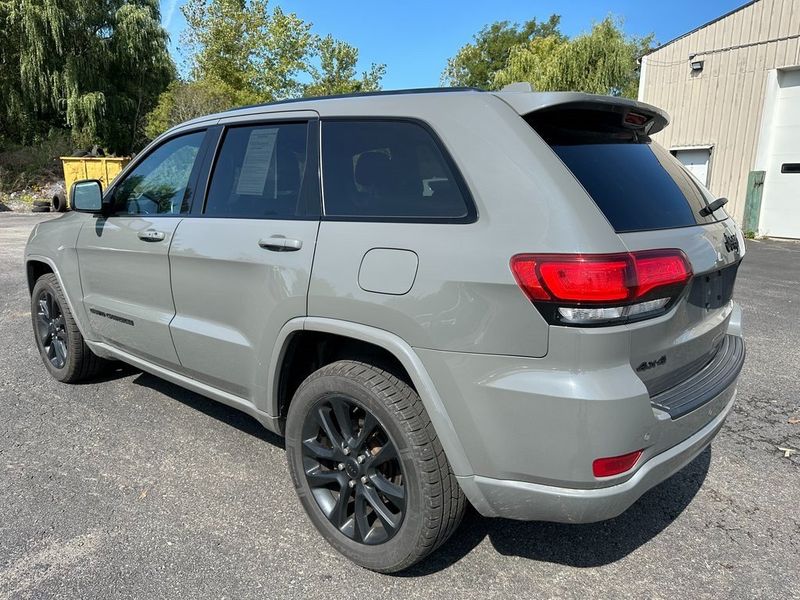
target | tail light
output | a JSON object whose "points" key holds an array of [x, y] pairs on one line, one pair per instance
{"points": [[586, 289]]}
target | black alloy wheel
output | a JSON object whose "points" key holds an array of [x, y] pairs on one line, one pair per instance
{"points": [[51, 329], [65, 354], [368, 466], [353, 470]]}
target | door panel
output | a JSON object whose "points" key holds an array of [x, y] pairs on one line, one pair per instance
{"points": [[124, 257], [232, 297], [126, 284], [241, 269]]}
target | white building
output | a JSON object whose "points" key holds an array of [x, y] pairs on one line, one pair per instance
{"points": [[732, 90]]}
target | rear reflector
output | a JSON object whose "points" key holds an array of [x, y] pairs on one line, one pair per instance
{"points": [[603, 287], [614, 465]]}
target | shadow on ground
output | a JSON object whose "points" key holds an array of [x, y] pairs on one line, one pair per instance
{"points": [[230, 416], [588, 545]]}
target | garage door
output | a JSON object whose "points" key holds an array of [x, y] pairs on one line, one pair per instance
{"points": [[696, 161], [780, 216]]}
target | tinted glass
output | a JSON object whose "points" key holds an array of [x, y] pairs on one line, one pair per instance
{"points": [[259, 173], [637, 186], [636, 183], [159, 185], [387, 169]]}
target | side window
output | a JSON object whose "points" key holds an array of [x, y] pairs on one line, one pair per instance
{"points": [[388, 170], [159, 185], [259, 173]]}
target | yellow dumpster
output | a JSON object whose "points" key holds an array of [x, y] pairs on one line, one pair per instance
{"points": [[91, 167]]}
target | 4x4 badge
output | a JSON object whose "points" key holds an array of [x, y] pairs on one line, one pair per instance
{"points": [[731, 243]]}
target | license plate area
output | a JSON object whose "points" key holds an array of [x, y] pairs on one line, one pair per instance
{"points": [[715, 289]]}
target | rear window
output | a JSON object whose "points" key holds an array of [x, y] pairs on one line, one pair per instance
{"points": [[635, 182]]}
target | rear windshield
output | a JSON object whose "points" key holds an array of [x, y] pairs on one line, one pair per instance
{"points": [[635, 182]]}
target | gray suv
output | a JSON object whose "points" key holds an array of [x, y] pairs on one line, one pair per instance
{"points": [[437, 296]]}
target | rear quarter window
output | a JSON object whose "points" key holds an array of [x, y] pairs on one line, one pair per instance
{"points": [[389, 170]]}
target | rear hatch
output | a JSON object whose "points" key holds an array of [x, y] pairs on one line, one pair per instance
{"points": [[661, 213]]}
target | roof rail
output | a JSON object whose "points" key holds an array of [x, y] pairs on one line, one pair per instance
{"points": [[431, 90], [517, 86]]}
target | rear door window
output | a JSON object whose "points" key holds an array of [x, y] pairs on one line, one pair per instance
{"points": [[635, 182], [389, 170], [259, 173]]}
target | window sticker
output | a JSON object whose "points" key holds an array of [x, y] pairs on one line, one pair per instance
{"points": [[257, 159]]}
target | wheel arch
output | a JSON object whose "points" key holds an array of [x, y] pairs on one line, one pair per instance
{"points": [[392, 352], [34, 269], [36, 266]]}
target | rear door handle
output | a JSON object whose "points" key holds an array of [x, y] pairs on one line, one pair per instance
{"points": [[280, 244], [151, 235]]}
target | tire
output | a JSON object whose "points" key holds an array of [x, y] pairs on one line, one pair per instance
{"points": [[432, 502], [59, 203], [57, 325], [38, 209]]}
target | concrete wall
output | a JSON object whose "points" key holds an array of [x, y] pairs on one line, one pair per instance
{"points": [[721, 106]]}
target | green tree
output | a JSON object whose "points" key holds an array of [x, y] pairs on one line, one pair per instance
{"points": [[95, 67], [476, 63], [184, 100], [247, 52], [603, 61], [337, 70]]}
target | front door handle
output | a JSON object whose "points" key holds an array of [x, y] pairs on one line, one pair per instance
{"points": [[151, 235], [280, 244]]}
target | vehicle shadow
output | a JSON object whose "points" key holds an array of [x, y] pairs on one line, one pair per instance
{"points": [[216, 410], [588, 545], [111, 372]]}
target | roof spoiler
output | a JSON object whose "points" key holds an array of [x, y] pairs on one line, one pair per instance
{"points": [[636, 115]]}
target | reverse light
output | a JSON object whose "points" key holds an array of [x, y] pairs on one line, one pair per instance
{"points": [[614, 465], [595, 288]]}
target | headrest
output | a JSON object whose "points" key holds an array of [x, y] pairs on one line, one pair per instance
{"points": [[373, 169]]}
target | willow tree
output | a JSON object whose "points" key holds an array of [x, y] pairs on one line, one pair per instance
{"points": [[603, 61], [476, 63], [95, 67]]}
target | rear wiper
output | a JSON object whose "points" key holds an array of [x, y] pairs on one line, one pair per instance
{"points": [[715, 205]]}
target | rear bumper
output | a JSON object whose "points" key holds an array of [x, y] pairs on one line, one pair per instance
{"points": [[536, 502], [531, 430]]}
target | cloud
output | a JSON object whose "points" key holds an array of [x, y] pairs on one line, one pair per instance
{"points": [[168, 14]]}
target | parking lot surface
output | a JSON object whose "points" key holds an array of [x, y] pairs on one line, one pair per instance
{"points": [[129, 486]]}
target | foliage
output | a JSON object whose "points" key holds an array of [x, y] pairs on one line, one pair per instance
{"points": [[337, 71], [28, 166], [245, 51], [95, 67], [476, 63], [603, 61], [185, 100], [242, 52]]}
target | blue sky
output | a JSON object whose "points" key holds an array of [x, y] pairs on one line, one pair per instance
{"points": [[414, 38]]}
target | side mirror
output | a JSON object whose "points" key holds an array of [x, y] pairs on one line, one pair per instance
{"points": [[87, 196]]}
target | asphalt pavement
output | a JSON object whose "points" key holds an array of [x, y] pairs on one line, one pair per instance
{"points": [[129, 486]]}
